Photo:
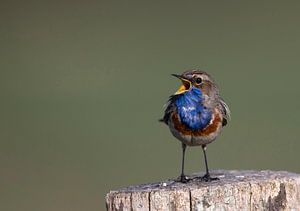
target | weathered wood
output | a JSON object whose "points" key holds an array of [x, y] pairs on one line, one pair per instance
{"points": [[236, 190]]}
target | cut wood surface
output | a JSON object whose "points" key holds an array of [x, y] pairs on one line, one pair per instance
{"points": [[236, 190]]}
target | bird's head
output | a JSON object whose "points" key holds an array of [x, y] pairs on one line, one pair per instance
{"points": [[197, 79]]}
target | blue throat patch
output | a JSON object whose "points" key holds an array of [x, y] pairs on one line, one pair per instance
{"points": [[191, 110]]}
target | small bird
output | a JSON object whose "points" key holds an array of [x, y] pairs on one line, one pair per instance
{"points": [[196, 114]]}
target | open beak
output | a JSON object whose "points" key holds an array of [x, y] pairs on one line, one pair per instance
{"points": [[177, 76], [186, 84]]}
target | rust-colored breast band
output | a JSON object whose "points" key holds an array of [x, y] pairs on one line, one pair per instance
{"points": [[183, 129]]}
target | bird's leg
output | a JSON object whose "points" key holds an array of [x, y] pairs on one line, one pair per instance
{"points": [[207, 176], [182, 178]]}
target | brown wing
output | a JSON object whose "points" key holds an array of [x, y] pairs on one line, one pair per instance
{"points": [[225, 112], [170, 107]]}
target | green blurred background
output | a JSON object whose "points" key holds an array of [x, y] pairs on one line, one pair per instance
{"points": [[83, 83]]}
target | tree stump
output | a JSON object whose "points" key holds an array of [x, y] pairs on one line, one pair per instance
{"points": [[236, 190]]}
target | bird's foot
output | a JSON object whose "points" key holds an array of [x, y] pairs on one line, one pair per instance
{"points": [[183, 179], [208, 178]]}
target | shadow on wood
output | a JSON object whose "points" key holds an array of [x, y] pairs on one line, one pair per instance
{"points": [[236, 190]]}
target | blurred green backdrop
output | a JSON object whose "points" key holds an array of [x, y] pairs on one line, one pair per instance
{"points": [[82, 84]]}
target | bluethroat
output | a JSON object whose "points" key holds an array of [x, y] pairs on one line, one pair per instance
{"points": [[196, 114]]}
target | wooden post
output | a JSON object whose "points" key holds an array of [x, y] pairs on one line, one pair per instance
{"points": [[236, 190]]}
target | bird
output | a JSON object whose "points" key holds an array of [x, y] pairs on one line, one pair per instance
{"points": [[196, 114]]}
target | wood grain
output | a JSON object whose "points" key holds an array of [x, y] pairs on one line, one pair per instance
{"points": [[236, 190]]}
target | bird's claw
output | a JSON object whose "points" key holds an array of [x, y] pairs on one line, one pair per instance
{"points": [[183, 179], [208, 178]]}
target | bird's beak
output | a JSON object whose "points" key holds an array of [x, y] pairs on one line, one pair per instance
{"points": [[186, 84], [177, 76]]}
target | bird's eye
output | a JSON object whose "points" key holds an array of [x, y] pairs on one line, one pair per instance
{"points": [[198, 80]]}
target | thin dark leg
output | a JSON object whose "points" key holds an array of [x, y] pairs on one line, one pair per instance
{"points": [[182, 161], [207, 176], [182, 177], [205, 159]]}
